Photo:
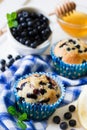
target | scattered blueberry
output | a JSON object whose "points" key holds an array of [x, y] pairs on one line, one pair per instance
{"points": [[56, 119], [63, 125], [3, 62], [3, 68], [72, 108], [17, 57], [72, 122], [67, 115]]}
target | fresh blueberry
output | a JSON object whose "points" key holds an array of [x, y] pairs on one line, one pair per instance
{"points": [[19, 28], [67, 115], [24, 33], [3, 62], [33, 45], [25, 14], [28, 19], [56, 119], [22, 19], [63, 125], [72, 108], [22, 40], [2, 68], [19, 15], [27, 42], [9, 56], [30, 23], [72, 122], [24, 25], [30, 33]]}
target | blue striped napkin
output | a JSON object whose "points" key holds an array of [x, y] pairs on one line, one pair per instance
{"points": [[25, 65]]}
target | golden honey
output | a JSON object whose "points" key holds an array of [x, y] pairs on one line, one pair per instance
{"points": [[75, 24]]}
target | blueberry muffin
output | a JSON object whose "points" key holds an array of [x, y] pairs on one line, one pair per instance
{"points": [[70, 58], [38, 89], [38, 94], [71, 51]]}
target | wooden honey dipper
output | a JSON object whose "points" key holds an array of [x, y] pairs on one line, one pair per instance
{"points": [[65, 9]]}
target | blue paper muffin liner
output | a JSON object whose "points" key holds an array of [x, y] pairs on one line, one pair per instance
{"points": [[71, 71], [38, 111]]}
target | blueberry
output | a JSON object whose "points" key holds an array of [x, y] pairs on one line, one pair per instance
{"points": [[3, 62], [27, 42], [30, 33], [24, 25], [35, 32], [19, 28], [24, 33], [30, 24], [84, 61], [35, 91], [33, 15], [30, 95], [77, 46], [13, 29], [72, 122], [30, 29], [80, 51], [45, 20], [17, 57], [22, 40], [73, 48], [42, 91], [72, 108], [33, 45], [50, 86], [56, 119], [25, 14], [85, 50], [40, 16], [2, 68], [68, 49], [39, 28], [48, 30], [28, 19], [21, 19], [9, 56], [11, 61], [19, 15], [67, 115], [63, 125], [17, 38]]}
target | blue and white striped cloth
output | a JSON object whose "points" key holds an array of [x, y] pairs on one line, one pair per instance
{"points": [[25, 65]]}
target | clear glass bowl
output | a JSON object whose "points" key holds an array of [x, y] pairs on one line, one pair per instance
{"points": [[75, 29]]}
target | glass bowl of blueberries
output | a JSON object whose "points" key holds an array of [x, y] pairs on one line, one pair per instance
{"points": [[29, 30]]}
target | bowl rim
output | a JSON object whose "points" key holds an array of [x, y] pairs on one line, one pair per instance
{"points": [[43, 44], [70, 24]]}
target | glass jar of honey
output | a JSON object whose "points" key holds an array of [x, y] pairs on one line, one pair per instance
{"points": [[75, 23]]}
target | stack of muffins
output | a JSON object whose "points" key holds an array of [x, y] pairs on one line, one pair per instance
{"points": [[70, 58]]}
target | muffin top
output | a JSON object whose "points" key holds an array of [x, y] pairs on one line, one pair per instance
{"points": [[38, 88], [71, 51]]}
